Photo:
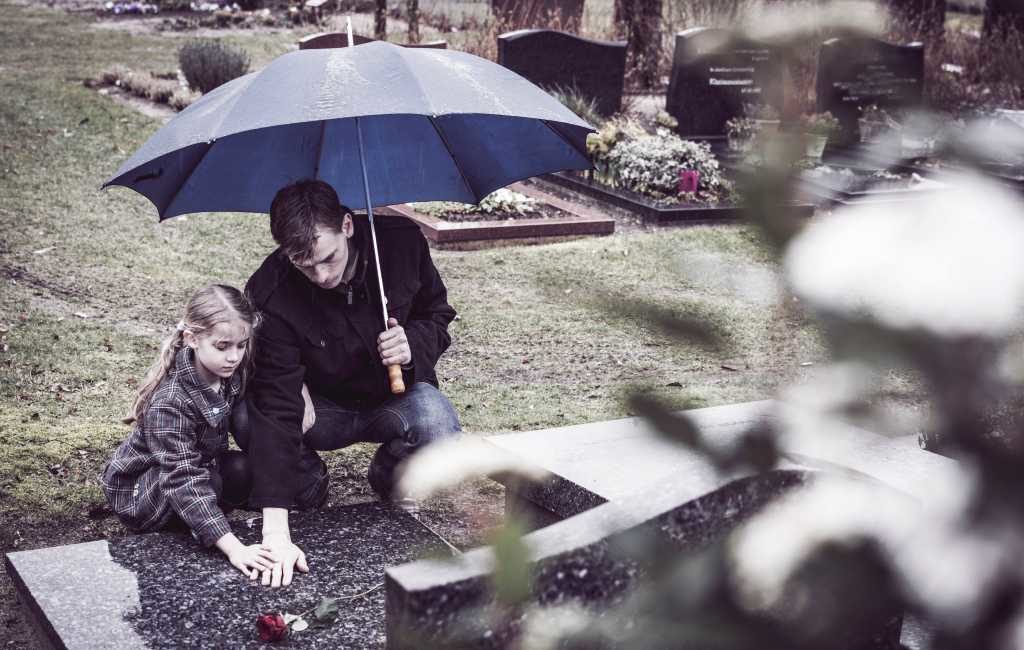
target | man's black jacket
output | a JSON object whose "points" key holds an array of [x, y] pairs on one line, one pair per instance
{"points": [[313, 335]]}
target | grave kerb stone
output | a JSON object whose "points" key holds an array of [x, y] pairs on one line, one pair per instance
{"points": [[574, 559]]}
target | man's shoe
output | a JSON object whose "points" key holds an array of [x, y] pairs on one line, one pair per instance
{"points": [[381, 474], [408, 505]]}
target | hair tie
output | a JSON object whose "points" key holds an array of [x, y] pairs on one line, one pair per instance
{"points": [[180, 326]]}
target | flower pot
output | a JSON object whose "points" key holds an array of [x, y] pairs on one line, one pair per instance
{"points": [[815, 145]]}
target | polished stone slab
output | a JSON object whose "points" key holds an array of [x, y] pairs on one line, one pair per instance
{"points": [[616, 479], [599, 462], [438, 603], [163, 591]]}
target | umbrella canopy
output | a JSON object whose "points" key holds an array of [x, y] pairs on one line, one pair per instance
{"points": [[435, 125]]}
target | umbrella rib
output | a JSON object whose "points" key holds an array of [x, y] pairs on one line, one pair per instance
{"points": [[185, 177], [566, 140], [319, 149], [455, 160]]}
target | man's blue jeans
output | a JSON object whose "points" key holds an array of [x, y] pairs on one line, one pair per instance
{"points": [[401, 425]]}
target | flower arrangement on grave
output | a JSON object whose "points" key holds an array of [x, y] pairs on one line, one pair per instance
{"points": [[665, 119], [600, 144], [501, 202], [741, 132], [820, 124], [874, 121], [650, 165]]}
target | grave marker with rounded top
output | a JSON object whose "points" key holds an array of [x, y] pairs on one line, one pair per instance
{"points": [[557, 60], [857, 71], [714, 73]]}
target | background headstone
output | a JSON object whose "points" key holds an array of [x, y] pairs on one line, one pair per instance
{"points": [[1003, 15], [553, 59], [714, 73], [855, 72], [524, 13], [328, 40]]}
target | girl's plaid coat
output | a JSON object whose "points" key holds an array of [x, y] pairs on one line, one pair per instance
{"points": [[164, 468]]}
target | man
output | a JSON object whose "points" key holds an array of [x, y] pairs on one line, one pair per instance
{"points": [[321, 356]]}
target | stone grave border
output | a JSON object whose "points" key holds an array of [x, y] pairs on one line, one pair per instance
{"points": [[588, 513], [582, 222], [656, 214], [425, 599], [822, 193]]}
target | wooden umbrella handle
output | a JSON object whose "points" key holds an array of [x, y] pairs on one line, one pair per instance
{"points": [[395, 377]]}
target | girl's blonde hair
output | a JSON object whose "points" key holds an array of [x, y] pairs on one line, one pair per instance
{"points": [[216, 303]]}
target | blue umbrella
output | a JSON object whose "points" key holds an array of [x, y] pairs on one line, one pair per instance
{"points": [[380, 123], [436, 124]]}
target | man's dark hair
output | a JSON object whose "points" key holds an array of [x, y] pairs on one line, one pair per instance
{"points": [[297, 210]]}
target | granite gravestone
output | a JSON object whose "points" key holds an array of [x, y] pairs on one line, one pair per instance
{"points": [[714, 73], [161, 590], [611, 480], [856, 72], [329, 40], [524, 13], [557, 60]]}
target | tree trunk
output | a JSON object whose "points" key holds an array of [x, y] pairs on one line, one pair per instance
{"points": [[638, 22], [925, 17], [412, 9], [1004, 15], [380, 20]]}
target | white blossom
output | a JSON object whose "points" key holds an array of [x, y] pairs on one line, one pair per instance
{"points": [[948, 262]]}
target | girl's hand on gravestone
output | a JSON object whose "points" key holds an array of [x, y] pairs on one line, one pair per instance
{"points": [[289, 557], [252, 559], [308, 413]]}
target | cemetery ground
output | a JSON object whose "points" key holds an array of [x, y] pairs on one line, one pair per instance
{"points": [[548, 335]]}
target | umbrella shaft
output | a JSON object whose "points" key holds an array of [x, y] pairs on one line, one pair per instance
{"points": [[373, 232]]}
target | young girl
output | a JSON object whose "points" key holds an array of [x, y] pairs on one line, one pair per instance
{"points": [[175, 466]]}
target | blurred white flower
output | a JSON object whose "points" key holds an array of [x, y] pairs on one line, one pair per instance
{"points": [[945, 565], [447, 463], [772, 546], [544, 628], [949, 262]]}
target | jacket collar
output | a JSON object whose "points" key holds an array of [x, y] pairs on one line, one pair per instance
{"points": [[209, 402]]}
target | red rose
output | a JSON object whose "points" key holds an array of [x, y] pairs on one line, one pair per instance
{"points": [[271, 627]]}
